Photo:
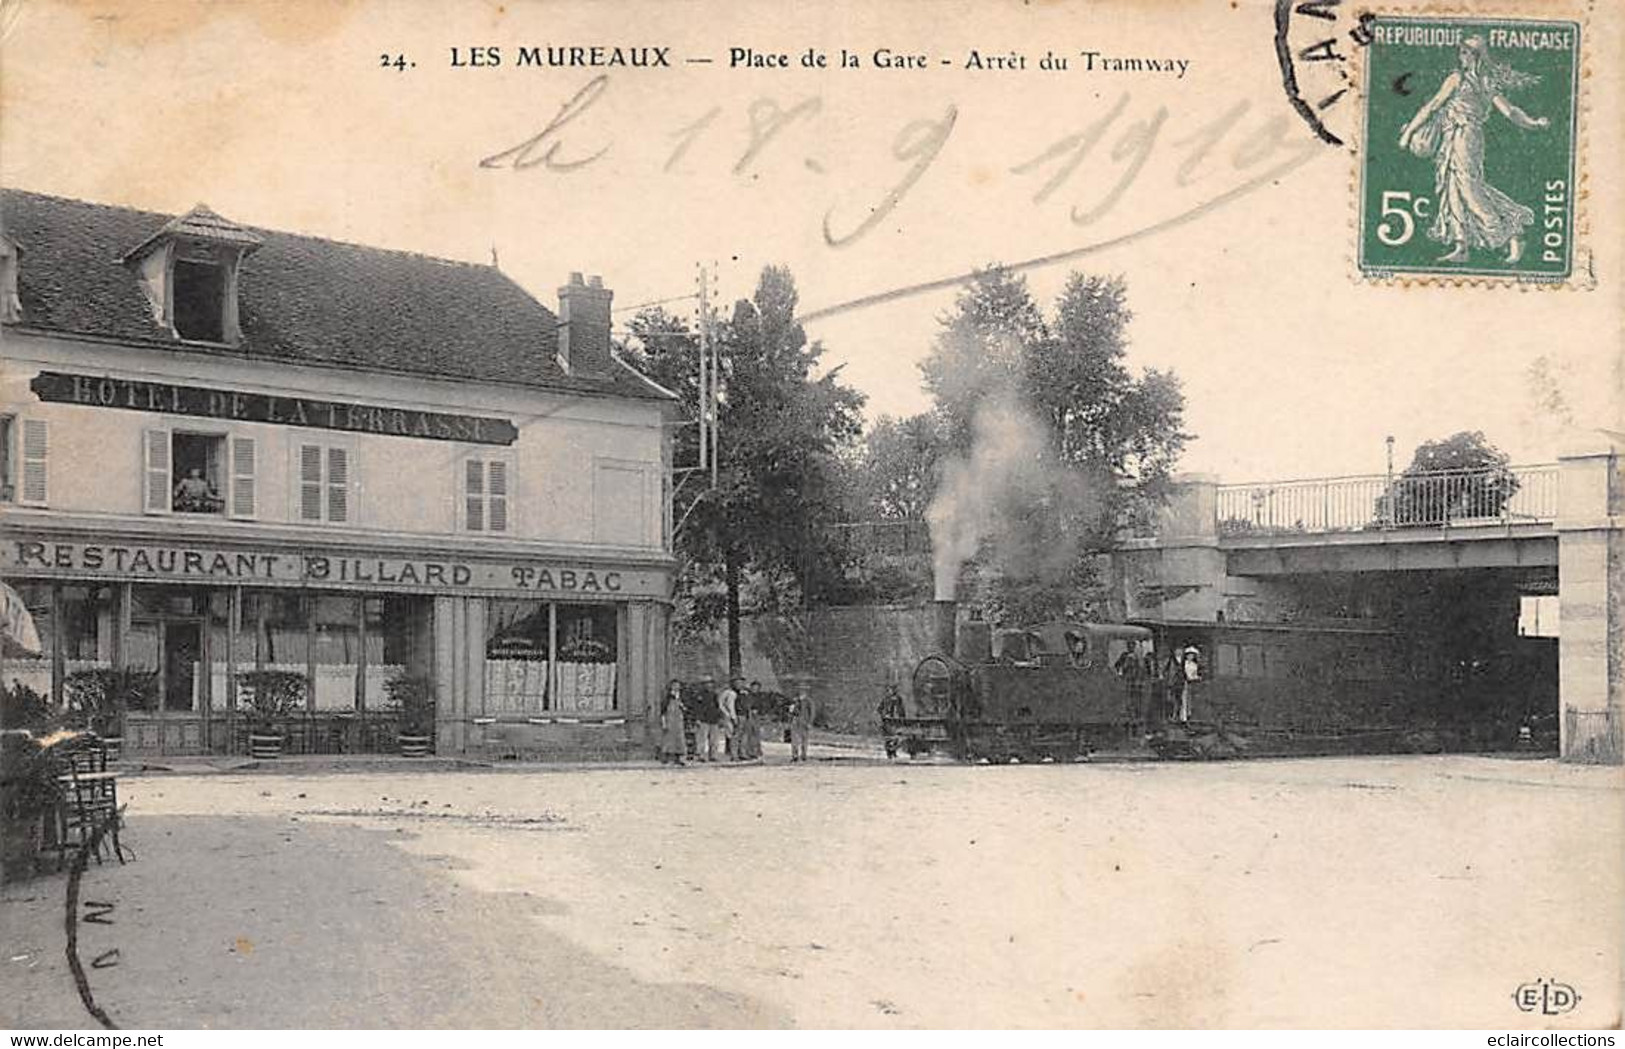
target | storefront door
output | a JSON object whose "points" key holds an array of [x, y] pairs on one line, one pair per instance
{"points": [[178, 722]]}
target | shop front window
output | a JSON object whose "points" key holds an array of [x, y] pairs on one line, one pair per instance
{"points": [[84, 630], [588, 647], [517, 657], [274, 633], [521, 675], [399, 644]]}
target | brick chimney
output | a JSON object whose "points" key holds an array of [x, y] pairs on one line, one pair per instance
{"points": [[584, 326]]}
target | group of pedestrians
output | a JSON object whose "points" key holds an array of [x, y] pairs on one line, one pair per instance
{"points": [[726, 722], [1172, 681]]}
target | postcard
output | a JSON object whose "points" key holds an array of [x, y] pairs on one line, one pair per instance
{"points": [[725, 514]]}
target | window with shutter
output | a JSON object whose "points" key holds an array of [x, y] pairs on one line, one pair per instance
{"points": [[8, 458], [496, 493], [156, 498], [474, 488], [338, 485], [310, 482], [242, 477], [487, 495], [35, 445], [326, 480]]}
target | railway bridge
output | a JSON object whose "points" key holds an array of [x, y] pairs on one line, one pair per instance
{"points": [[1475, 561]]}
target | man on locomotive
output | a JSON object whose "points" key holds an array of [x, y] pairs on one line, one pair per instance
{"points": [[891, 708], [1135, 670]]}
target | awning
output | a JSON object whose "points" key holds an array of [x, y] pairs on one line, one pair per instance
{"points": [[18, 634]]}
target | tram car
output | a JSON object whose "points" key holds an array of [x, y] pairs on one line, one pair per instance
{"points": [[1045, 692]]}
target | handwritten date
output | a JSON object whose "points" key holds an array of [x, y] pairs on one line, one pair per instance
{"points": [[1098, 161]]}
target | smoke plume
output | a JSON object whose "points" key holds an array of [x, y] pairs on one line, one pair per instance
{"points": [[1010, 492], [1006, 458]]}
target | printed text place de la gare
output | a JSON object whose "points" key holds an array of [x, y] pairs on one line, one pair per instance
{"points": [[495, 56]]}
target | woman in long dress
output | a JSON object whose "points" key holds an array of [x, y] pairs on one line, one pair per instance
{"points": [[673, 745], [1469, 212]]}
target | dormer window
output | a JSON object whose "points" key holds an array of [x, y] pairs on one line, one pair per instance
{"points": [[189, 270], [11, 307], [198, 290]]}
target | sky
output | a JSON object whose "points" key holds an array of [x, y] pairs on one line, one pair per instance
{"points": [[1233, 226]]}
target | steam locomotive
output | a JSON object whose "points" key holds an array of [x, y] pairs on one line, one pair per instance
{"points": [[1263, 689], [1045, 692]]}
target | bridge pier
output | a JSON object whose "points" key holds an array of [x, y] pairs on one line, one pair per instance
{"points": [[1591, 600]]}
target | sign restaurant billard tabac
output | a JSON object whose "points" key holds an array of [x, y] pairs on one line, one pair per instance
{"points": [[204, 565], [140, 395]]}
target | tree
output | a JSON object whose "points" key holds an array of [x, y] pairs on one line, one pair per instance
{"points": [[1106, 439], [782, 431], [897, 469], [1460, 476]]}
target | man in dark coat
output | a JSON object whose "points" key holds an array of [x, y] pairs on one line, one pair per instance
{"points": [[707, 720]]}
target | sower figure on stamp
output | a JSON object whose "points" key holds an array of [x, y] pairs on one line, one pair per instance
{"points": [[1471, 213]]}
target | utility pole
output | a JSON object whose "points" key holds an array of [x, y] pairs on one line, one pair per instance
{"points": [[703, 407], [710, 382], [716, 390]]}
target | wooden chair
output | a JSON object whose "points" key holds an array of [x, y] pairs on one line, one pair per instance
{"points": [[87, 798]]}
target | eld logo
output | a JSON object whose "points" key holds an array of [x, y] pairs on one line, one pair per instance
{"points": [[1547, 997]]}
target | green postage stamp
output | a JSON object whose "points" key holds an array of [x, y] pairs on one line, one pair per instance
{"points": [[1468, 161]]}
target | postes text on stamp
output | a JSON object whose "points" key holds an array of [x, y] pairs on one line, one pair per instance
{"points": [[1468, 150]]}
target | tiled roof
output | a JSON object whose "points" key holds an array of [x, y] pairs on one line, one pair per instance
{"points": [[202, 222], [302, 300]]}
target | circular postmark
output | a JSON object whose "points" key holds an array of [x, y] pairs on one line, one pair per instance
{"points": [[1314, 43]]}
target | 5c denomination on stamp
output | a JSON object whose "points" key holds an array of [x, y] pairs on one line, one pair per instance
{"points": [[1468, 162]]}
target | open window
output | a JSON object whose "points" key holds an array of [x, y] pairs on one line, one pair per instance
{"points": [[200, 300], [199, 484], [189, 472]]}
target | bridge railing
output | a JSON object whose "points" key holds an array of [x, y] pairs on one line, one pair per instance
{"points": [[1376, 502]]}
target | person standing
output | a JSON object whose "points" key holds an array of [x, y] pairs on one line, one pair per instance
{"points": [[673, 743], [1131, 667], [728, 705], [707, 715], [801, 716], [750, 724], [891, 708], [1190, 672]]}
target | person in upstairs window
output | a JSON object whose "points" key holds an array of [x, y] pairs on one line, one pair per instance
{"points": [[194, 493]]}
